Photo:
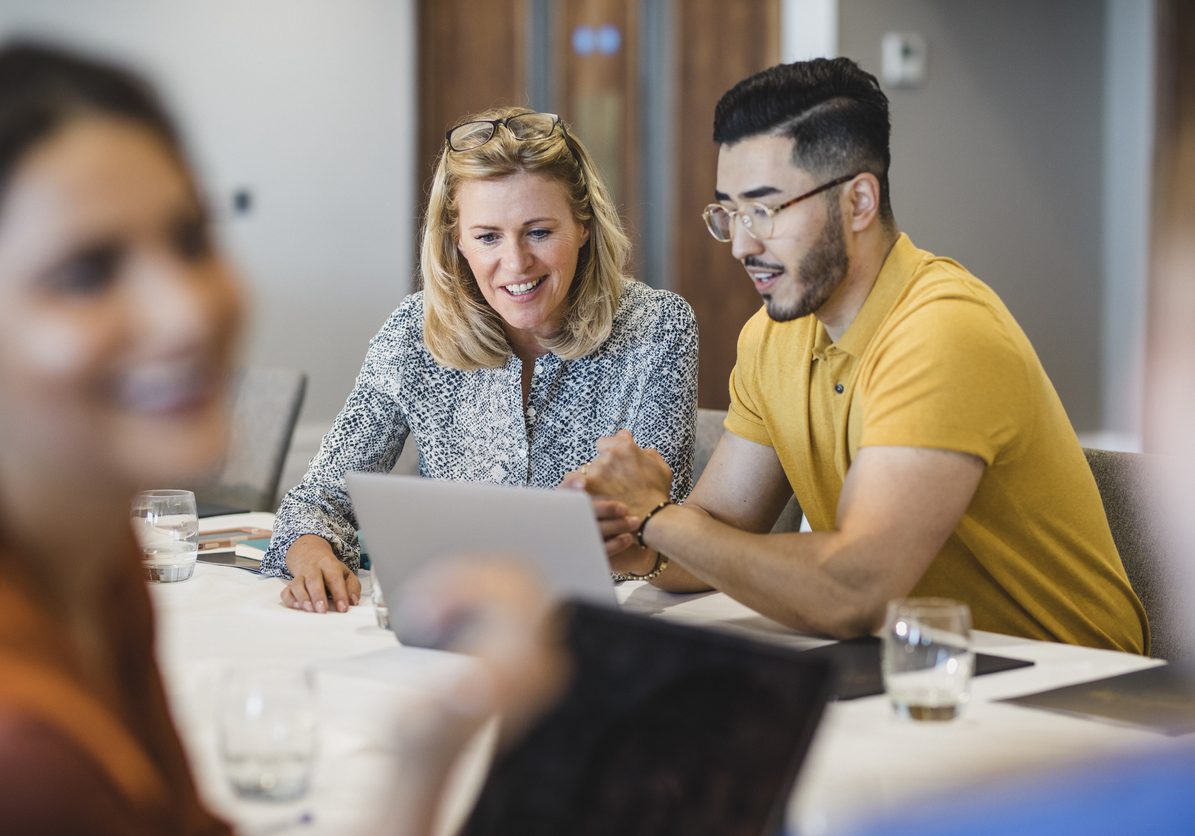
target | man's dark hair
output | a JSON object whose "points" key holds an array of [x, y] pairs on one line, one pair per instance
{"points": [[835, 113], [44, 87]]}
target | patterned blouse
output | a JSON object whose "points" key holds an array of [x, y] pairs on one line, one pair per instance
{"points": [[471, 425]]}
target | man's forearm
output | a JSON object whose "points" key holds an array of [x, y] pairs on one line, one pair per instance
{"points": [[786, 577]]}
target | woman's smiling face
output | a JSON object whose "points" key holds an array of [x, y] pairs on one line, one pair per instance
{"points": [[118, 317], [522, 243]]}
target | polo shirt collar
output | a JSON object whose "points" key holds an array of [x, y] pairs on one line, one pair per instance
{"points": [[902, 260]]}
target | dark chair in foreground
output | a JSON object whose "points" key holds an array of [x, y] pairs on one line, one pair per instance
{"points": [[709, 431], [265, 407], [1131, 490]]}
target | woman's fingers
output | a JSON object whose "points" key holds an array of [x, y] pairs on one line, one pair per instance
{"points": [[620, 543], [317, 592], [608, 509]]}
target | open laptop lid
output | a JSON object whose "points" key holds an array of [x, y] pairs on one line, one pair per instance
{"points": [[664, 729], [409, 522]]}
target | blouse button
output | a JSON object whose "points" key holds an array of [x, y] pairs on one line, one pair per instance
{"points": [[531, 412], [839, 388]]}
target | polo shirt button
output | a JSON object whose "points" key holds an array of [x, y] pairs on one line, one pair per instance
{"points": [[839, 388]]}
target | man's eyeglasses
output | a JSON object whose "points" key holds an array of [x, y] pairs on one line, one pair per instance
{"points": [[756, 218], [469, 135]]}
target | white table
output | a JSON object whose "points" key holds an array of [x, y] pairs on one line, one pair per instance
{"points": [[863, 762]]}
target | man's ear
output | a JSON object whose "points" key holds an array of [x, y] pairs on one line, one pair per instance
{"points": [[864, 196]]}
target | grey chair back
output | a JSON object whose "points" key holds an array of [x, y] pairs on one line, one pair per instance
{"points": [[265, 407], [1130, 487], [709, 432]]}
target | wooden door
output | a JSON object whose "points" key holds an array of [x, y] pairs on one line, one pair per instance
{"points": [[472, 55], [596, 90], [717, 43], [477, 54]]}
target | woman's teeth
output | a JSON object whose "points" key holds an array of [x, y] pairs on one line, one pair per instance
{"points": [[523, 288]]}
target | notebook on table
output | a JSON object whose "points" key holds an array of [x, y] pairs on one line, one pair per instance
{"points": [[859, 672], [664, 729]]}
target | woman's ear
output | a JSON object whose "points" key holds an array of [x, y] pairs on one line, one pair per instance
{"points": [[584, 236]]}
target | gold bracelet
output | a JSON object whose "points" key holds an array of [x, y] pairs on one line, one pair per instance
{"points": [[661, 565]]}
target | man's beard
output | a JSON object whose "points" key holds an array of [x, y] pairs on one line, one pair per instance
{"points": [[821, 270]]}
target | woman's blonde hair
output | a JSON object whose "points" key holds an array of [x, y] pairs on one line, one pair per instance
{"points": [[461, 330]]}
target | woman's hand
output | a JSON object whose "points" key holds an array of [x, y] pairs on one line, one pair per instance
{"points": [[637, 479], [318, 576], [618, 530]]}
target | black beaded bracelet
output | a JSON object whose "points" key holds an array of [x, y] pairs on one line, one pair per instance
{"points": [[648, 516]]}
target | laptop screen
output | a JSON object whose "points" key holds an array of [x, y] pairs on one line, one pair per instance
{"points": [[663, 729]]}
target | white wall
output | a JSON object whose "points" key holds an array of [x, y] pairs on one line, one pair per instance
{"points": [[309, 104], [1128, 159], [808, 29]]}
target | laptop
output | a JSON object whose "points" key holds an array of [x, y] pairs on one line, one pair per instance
{"points": [[663, 729], [409, 522]]}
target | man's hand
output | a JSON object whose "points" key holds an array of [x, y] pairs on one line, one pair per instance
{"points": [[639, 479], [318, 577]]}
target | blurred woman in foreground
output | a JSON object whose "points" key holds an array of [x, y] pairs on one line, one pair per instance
{"points": [[118, 320], [117, 323]]}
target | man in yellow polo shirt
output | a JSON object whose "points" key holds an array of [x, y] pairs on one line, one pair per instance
{"points": [[888, 388]]}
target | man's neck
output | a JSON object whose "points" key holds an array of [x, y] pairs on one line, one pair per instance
{"points": [[848, 299]]}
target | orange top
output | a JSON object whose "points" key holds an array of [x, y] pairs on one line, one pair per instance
{"points": [[72, 761]]}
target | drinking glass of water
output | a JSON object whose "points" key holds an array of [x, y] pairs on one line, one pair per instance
{"points": [[267, 731], [928, 658], [167, 527]]}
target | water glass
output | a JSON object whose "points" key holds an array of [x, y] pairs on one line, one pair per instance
{"points": [[928, 658], [167, 528], [267, 731]]}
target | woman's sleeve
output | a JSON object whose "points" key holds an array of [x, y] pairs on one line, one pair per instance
{"points": [[667, 416], [368, 435]]}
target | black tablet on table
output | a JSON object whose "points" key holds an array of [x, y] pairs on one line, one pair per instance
{"points": [[663, 729]]}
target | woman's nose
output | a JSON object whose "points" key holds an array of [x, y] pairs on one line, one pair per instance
{"points": [[175, 306], [516, 257]]}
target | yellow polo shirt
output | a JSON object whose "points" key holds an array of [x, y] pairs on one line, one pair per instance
{"points": [[934, 359]]}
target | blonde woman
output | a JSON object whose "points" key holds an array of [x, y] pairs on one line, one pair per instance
{"points": [[527, 344]]}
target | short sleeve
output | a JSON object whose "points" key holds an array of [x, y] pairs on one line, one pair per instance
{"points": [[949, 376], [744, 418]]}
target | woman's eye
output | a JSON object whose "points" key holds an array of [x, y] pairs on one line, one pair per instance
{"points": [[89, 272], [193, 240], [539, 234], [487, 237]]}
